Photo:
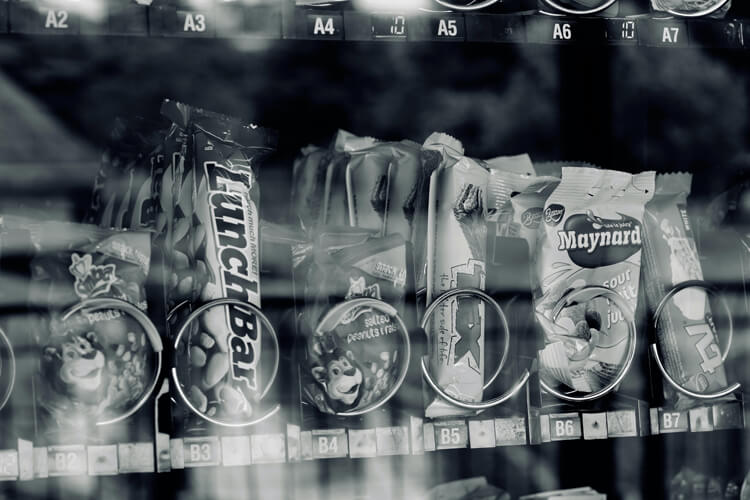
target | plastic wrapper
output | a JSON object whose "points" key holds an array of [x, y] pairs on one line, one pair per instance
{"points": [[686, 333], [691, 6], [123, 189], [94, 366], [582, 5], [353, 359], [456, 242], [219, 361], [591, 235], [308, 180]]}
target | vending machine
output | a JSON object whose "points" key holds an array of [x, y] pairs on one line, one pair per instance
{"points": [[454, 249]]}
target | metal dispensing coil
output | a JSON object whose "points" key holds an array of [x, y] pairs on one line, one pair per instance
{"points": [[268, 329], [700, 13], [487, 299], [710, 289], [7, 369], [586, 294], [575, 12], [97, 304], [341, 311], [475, 5]]}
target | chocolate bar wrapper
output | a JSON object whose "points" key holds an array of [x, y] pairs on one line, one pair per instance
{"points": [[688, 6], [363, 352], [174, 222], [308, 181], [223, 375], [456, 242], [591, 235], [335, 206], [686, 333], [93, 366]]}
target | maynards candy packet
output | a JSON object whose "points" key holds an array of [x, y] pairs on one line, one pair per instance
{"points": [[685, 331], [591, 236], [456, 251]]}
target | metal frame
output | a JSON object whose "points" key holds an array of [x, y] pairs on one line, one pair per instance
{"points": [[482, 405], [593, 292], [98, 303], [270, 330], [340, 310]]}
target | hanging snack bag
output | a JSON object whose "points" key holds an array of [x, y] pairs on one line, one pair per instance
{"points": [[685, 332], [356, 348], [335, 207], [95, 365], [218, 360], [308, 180], [456, 250], [591, 235]]}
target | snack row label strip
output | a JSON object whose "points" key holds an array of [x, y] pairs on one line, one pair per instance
{"points": [[415, 438], [232, 19]]}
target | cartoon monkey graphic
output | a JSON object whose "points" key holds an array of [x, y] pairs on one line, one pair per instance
{"points": [[339, 373]]}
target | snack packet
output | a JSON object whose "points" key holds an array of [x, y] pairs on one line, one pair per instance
{"points": [[591, 236], [353, 358], [95, 365], [456, 249], [516, 202], [380, 183], [308, 180], [335, 207], [219, 363], [691, 6], [122, 195], [686, 333]]}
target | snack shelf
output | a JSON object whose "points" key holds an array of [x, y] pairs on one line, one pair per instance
{"points": [[417, 437], [233, 20]]}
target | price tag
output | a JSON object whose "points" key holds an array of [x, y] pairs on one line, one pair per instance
{"points": [[328, 26], [3, 16], [451, 434], [510, 431], [542, 29], [102, 460], [25, 460], [621, 31], [389, 26], [8, 465], [33, 18], [594, 425], [68, 460], [329, 443], [362, 443], [235, 450], [136, 457], [262, 21], [672, 421], [41, 469], [728, 415], [508, 29], [201, 451], [621, 423], [392, 440], [305, 445], [659, 33], [268, 448], [700, 419], [292, 442], [481, 433], [564, 426], [417, 435], [128, 19], [715, 34]]}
